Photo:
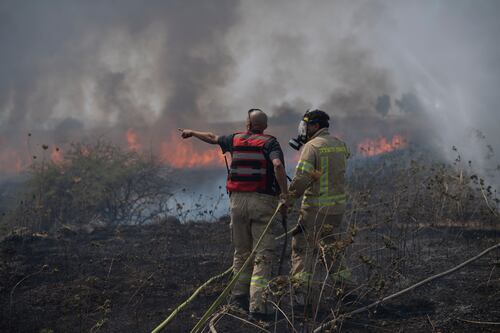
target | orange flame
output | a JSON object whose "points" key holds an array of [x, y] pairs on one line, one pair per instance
{"points": [[10, 161], [182, 154], [132, 140], [372, 147]]}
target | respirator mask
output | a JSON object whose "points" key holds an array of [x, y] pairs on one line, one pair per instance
{"points": [[301, 138]]}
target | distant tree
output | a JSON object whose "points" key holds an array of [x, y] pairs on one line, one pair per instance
{"points": [[383, 105]]}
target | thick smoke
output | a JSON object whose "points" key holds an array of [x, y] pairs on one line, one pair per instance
{"points": [[87, 65], [437, 61], [445, 59], [71, 69]]}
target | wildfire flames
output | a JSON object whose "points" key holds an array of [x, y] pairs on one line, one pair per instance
{"points": [[372, 147], [182, 154], [13, 161], [132, 140], [175, 152], [179, 153], [10, 161]]}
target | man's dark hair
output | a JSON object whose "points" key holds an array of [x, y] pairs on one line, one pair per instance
{"points": [[318, 117]]}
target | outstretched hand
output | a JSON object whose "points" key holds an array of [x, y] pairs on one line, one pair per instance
{"points": [[185, 133]]}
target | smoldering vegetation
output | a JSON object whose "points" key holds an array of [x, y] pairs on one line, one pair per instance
{"points": [[409, 217]]}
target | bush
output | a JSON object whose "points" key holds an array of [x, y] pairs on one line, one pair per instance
{"points": [[95, 182]]}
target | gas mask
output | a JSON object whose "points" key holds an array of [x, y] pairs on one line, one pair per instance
{"points": [[301, 138]]}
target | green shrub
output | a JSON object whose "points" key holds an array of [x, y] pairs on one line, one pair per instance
{"points": [[95, 182]]}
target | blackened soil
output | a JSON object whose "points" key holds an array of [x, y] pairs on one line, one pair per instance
{"points": [[129, 279]]}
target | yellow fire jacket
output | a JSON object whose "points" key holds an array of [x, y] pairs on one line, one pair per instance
{"points": [[320, 174]]}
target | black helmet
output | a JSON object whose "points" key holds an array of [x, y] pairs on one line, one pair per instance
{"points": [[317, 117]]}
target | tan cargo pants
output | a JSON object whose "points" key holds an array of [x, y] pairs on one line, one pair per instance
{"points": [[250, 213], [311, 256]]}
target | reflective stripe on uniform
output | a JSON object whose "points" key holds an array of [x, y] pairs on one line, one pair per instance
{"points": [[250, 156], [305, 166], [341, 149], [323, 198], [323, 201], [248, 171], [323, 187], [253, 136], [259, 281], [241, 286]]}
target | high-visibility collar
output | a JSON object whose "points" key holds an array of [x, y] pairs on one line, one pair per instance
{"points": [[321, 132]]}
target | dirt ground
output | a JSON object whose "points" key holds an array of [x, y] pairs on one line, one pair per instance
{"points": [[130, 278]]}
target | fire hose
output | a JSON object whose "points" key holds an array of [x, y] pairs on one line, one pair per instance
{"points": [[226, 290], [284, 221]]}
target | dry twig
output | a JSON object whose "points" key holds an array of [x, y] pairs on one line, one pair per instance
{"points": [[404, 291], [479, 322], [214, 320], [248, 322]]}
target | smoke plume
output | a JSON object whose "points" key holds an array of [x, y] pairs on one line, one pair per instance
{"points": [[428, 70]]}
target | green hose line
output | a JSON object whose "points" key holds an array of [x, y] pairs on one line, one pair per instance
{"points": [[231, 283], [186, 302]]}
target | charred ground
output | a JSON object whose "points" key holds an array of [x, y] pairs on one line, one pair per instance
{"points": [[406, 221], [129, 278]]}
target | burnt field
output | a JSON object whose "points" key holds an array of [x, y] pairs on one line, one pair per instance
{"points": [[408, 219]]}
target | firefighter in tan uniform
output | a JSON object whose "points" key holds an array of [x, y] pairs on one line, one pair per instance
{"points": [[320, 178], [256, 179]]}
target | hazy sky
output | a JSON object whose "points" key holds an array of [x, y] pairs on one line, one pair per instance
{"points": [[71, 67]]}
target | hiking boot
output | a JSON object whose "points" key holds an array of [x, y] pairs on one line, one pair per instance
{"points": [[239, 302]]}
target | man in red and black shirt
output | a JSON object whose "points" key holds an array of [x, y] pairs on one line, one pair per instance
{"points": [[256, 179]]}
